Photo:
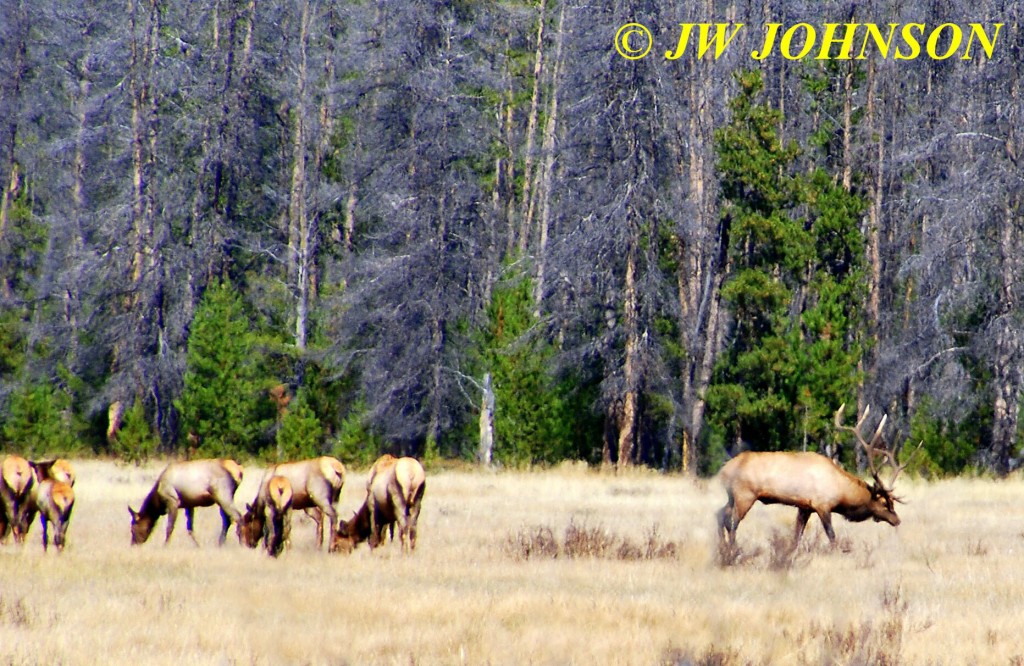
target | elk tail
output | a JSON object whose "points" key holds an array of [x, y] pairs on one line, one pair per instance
{"points": [[234, 469], [333, 470]]}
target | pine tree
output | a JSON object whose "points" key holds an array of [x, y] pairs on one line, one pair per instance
{"points": [[221, 403], [796, 254], [531, 423], [40, 422], [300, 435]]}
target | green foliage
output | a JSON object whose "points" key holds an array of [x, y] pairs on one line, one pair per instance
{"points": [[532, 423], [300, 435], [794, 289], [135, 441], [431, 452], [40, 422], [355, 444], [222, 402], [949, 445]]}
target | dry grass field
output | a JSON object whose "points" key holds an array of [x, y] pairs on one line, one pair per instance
{"points": [[566, 566]]}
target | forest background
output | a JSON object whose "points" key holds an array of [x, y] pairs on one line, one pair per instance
{"points": [[471, 229]]}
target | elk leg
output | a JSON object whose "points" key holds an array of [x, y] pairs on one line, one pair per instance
{"points": [[225, 521], [414, 517], [172, 517], [61, 535], [826, 522], [318, 517], [401, 517], [228, 513], [46, 535], [802, 515], [189, 517]]}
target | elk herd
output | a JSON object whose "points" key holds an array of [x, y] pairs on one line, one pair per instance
{"points": [[809, 482]]}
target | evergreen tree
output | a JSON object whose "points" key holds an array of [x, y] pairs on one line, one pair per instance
{"points": [[794, 288], [40, 422], [531, 422], [300, 435], [221, 402], [135, 441]]}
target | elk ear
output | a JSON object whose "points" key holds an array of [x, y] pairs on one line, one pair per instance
{"points": [[248, 508], [135, 515]]}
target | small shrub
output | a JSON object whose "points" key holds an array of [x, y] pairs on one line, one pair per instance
{"points": [[711, 656], [537, 542], [134, 442], [583, 541]]}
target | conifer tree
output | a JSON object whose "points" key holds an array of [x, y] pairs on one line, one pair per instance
{"points": [[530, 422], [221, 402], [300, 434], [794, 287]]}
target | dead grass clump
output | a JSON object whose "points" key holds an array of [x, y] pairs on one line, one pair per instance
{"points": [[711, 656], [536, 542], [15, 612], [584, 541], [862, 644], [977, 548], [781, 554]]}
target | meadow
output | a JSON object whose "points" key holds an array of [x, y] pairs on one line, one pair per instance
{"points": [[563, 566]]}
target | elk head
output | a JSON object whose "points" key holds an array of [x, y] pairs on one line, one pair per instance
{"points": [[142, 526], [882, 505], [250, 527]]}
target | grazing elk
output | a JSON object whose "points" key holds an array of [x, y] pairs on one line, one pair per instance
{"points": [[274, 526], [53, 500], [16, 481], [394, 494], [810, 482], [316, 485], [187, 485]]}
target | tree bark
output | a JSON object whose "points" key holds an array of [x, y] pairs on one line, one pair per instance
{"points": [[630, 368], [485, 453], [547, 173]]}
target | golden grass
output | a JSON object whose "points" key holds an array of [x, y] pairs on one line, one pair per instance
{"points": [[944, 588]]}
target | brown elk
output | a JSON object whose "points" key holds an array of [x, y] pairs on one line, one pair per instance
{"points": [[810, 482], [394, 494], [187, 485], [16, 481], [53, 500], [316, 485], [57, 469], [274, 526]]}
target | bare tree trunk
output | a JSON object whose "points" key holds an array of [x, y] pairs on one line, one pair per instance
{"points": [[299, 227], [548, 149], [486, 450], [1006, 368], [9, 165], [531, 130], [701, 266], [146, 270], [631, 370]]}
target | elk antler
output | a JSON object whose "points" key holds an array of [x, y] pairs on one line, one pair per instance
{"points": [[870, 447]]}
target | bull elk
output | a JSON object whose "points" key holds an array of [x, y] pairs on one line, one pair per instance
{"points": [[394, 494], [316, 485], [187, 485], [810, 482], [16, 481]]}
